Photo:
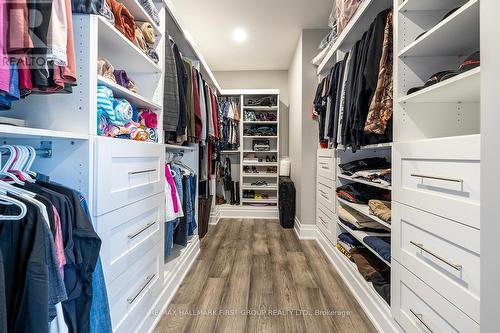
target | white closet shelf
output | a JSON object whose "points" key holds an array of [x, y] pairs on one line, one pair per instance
{"points": [[421, 5], [140, 14], [260, 122], [260, 163], [15, 132], [249, 186], [359, 235], [365, 210], [352, 266], [359, 23], [457, 35], [261, 108], [461, 88], [262, 151], [260, 137], [122, 92], [358, 180], [177, 147], [230, 152], [374, 146], [260, 175], [259, 201], [126, 55]]}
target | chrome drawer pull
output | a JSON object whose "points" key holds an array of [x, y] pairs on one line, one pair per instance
{"points": [[139, 172], [419, 317], [421, 246], [146, 227], [454, 180], [150, 278]]}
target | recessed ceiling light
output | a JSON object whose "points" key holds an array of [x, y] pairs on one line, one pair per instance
{"points": [[240, 35]]}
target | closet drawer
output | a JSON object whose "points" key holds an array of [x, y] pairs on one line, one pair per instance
{"points": [[326, 193], [128, 233], [325, 220], [126, 172], [440, 176], [132, 295], [418, 308], [443, 253], [326, 163]]}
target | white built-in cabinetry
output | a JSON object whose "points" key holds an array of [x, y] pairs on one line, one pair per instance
{"points": [[436, 162]]}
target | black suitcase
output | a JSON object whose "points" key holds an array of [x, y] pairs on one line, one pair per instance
{"points": [[286, 202]]}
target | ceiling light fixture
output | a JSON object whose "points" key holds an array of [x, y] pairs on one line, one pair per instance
{"points": [[240, 35]]}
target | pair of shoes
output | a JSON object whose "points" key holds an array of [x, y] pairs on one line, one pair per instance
{"points": [[246, 169], [248, 194], [259, 183], [272, 170], [271, 159], [254, 169], [258, 196]]}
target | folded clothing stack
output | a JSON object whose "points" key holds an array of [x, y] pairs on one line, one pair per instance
{"points": [[372, 163], [379, 176], [381, 209], [260, 131], [118, 118], [361, 193], [374, 270], [118, 76], [140, 33], [357, 221], [346, 243]]}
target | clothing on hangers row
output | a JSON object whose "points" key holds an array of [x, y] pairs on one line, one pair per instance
{"points": [[48, 253], [180, 196], [35, 58]]}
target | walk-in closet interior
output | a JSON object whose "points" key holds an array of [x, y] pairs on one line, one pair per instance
{"points": [[249, 166]]}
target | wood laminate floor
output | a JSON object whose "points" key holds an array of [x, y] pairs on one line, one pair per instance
{"points": [[254, 276]]}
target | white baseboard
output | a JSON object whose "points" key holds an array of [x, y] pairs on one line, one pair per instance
{"points": [[373, 305], [170, 287], [214, 216], [305, 231], [248, 212]]}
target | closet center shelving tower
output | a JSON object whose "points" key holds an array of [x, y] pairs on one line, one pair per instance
{"points": [[256, 175], [435, 157]]}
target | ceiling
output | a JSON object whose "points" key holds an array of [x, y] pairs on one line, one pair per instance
{"points": [[273, 28]]}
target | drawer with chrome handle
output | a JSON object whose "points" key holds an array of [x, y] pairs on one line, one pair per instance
{"points": [[126, 172], [442, 253], [128, 233], [326, 167], [326, 193], [419, 308], [440, 176], [132, 299], [133, 294], [325, 222]]}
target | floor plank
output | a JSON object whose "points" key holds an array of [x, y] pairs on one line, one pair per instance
{"points": [[258, 277]]}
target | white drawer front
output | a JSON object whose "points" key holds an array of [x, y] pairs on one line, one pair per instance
{"points": [[132, 295], [128, 233], [326, 153], [326, 167], [326, 193], [325, 220], [441, 176], [443, 253], [418, 308], [126, 172]]}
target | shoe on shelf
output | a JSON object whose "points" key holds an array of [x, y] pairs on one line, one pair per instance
{"points": [[246, 169], [259, 183], [268, 159], [258, 196], [254, 169], [273, 159]]}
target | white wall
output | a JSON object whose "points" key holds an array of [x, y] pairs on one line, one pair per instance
{"points": [[303, 131], [262, 80], [295, 124]]}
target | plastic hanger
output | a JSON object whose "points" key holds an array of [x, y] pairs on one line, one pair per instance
{"points": [[13, 167], [20, 166], [13, 201], [31, 159], [4, 170]]}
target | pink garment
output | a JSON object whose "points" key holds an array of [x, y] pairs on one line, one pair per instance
{"points": [[173, 189], [214, 116], [58, 241], [24, 74], [4, 58]]}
